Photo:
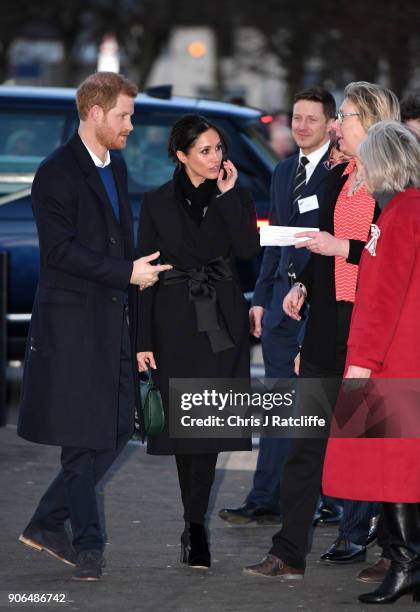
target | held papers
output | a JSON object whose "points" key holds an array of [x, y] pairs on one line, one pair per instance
{"points": [[282, 235]]}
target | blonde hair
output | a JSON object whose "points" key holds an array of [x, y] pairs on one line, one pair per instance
{"points": [[390, 155], [373, 102], [102, 89]]}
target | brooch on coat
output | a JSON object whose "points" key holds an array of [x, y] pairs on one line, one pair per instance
{"points": [[375, 232]]}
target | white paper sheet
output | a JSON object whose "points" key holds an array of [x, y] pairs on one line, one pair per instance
{"points": [[282, 235]]}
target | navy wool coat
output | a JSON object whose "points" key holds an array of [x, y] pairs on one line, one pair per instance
{"points": [[72, 361]]}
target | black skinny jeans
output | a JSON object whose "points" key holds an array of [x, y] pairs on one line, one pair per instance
{"points": [[196, 475]]}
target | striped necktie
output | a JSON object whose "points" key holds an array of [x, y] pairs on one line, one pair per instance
{"points": [[300, 179]]}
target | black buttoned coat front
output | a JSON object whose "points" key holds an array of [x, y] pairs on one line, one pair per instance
{"points": [[169, 323], [72, 362]]}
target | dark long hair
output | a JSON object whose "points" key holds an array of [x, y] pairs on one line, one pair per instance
{"points": [[186, 131]]}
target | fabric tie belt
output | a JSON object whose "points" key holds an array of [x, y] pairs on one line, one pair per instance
{"points": [[203, 293]]}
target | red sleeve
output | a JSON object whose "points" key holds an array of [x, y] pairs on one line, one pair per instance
{"points": [[382, 288]]}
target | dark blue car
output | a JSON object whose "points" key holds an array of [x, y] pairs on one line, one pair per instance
{"points": [[34, 121]]}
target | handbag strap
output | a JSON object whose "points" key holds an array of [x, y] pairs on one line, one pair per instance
{"points": [[149, 375]]}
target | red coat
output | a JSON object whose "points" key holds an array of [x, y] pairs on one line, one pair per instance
{"points": [[384, 337]]}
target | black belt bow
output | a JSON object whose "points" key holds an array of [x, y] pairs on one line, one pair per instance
{"points": [[203, 293]]}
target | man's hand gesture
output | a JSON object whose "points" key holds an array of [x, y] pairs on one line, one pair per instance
{"points": [[144, 274]]}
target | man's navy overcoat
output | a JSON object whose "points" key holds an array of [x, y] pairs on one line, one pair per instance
{"points": [[72, 361]]}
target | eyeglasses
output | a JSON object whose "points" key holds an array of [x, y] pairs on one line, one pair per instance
{"points": [[340, 116]]}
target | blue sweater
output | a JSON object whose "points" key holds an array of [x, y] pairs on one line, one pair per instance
{"points": [[111, 188]]}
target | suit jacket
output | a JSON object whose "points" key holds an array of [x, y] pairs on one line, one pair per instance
{"points": [[273, 282], [72, 361], [318, 276]]}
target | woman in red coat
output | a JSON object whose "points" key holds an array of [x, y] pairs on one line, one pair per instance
{"points": [[384, 343]]}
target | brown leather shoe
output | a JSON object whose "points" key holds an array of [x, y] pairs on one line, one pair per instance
{"points": [[56, 543], [375, 572], [273, 567]]}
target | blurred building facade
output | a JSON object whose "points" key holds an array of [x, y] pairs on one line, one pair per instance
{"points": [[196, 74], [188, 62]]}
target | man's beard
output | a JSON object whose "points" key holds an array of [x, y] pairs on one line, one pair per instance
{"points": [[109, 139]]}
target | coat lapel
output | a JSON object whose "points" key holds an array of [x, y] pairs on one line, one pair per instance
{"points": [[335, 184], [196, 238], [311, 186], [195, 234], [289, 188], [126, 216], [318, 175], [94, 180]]}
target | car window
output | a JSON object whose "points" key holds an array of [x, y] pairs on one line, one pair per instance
{"points": [[246, 152], [148, 164], [26, 137], [146, 153]]}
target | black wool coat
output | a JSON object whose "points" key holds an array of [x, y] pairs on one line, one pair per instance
{"points": [[72, 361], [169, 325]]}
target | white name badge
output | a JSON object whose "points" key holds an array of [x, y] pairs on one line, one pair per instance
{"points": [[307, 204]]}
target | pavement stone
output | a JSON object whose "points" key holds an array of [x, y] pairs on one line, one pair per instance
{"points": [[142, 515]]}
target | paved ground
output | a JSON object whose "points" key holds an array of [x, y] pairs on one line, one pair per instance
{"points": [[142, 508]]}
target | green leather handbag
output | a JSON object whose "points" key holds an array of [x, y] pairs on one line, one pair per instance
{"points": [[152, 406]]}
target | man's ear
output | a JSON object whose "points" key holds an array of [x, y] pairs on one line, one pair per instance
{"points": [[96, 113]]}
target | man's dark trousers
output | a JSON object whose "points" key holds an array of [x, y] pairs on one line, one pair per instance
{"points": [[281, 335], [280, 346], [302, 475], [72, 494], [356, 520]]}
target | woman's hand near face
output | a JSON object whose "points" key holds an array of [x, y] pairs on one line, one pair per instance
{"points": [[144, 359], [224, 184], [323, 243]]}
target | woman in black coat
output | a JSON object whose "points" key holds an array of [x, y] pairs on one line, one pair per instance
{"points": [[199, 221]]}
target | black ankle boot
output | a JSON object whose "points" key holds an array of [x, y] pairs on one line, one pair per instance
{"points": [[199, 554], [398, 581], [185, 544], [403, 576]]}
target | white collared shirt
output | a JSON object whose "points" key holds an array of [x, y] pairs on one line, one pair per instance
{"points": [[98, 162], [314, 159]]}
